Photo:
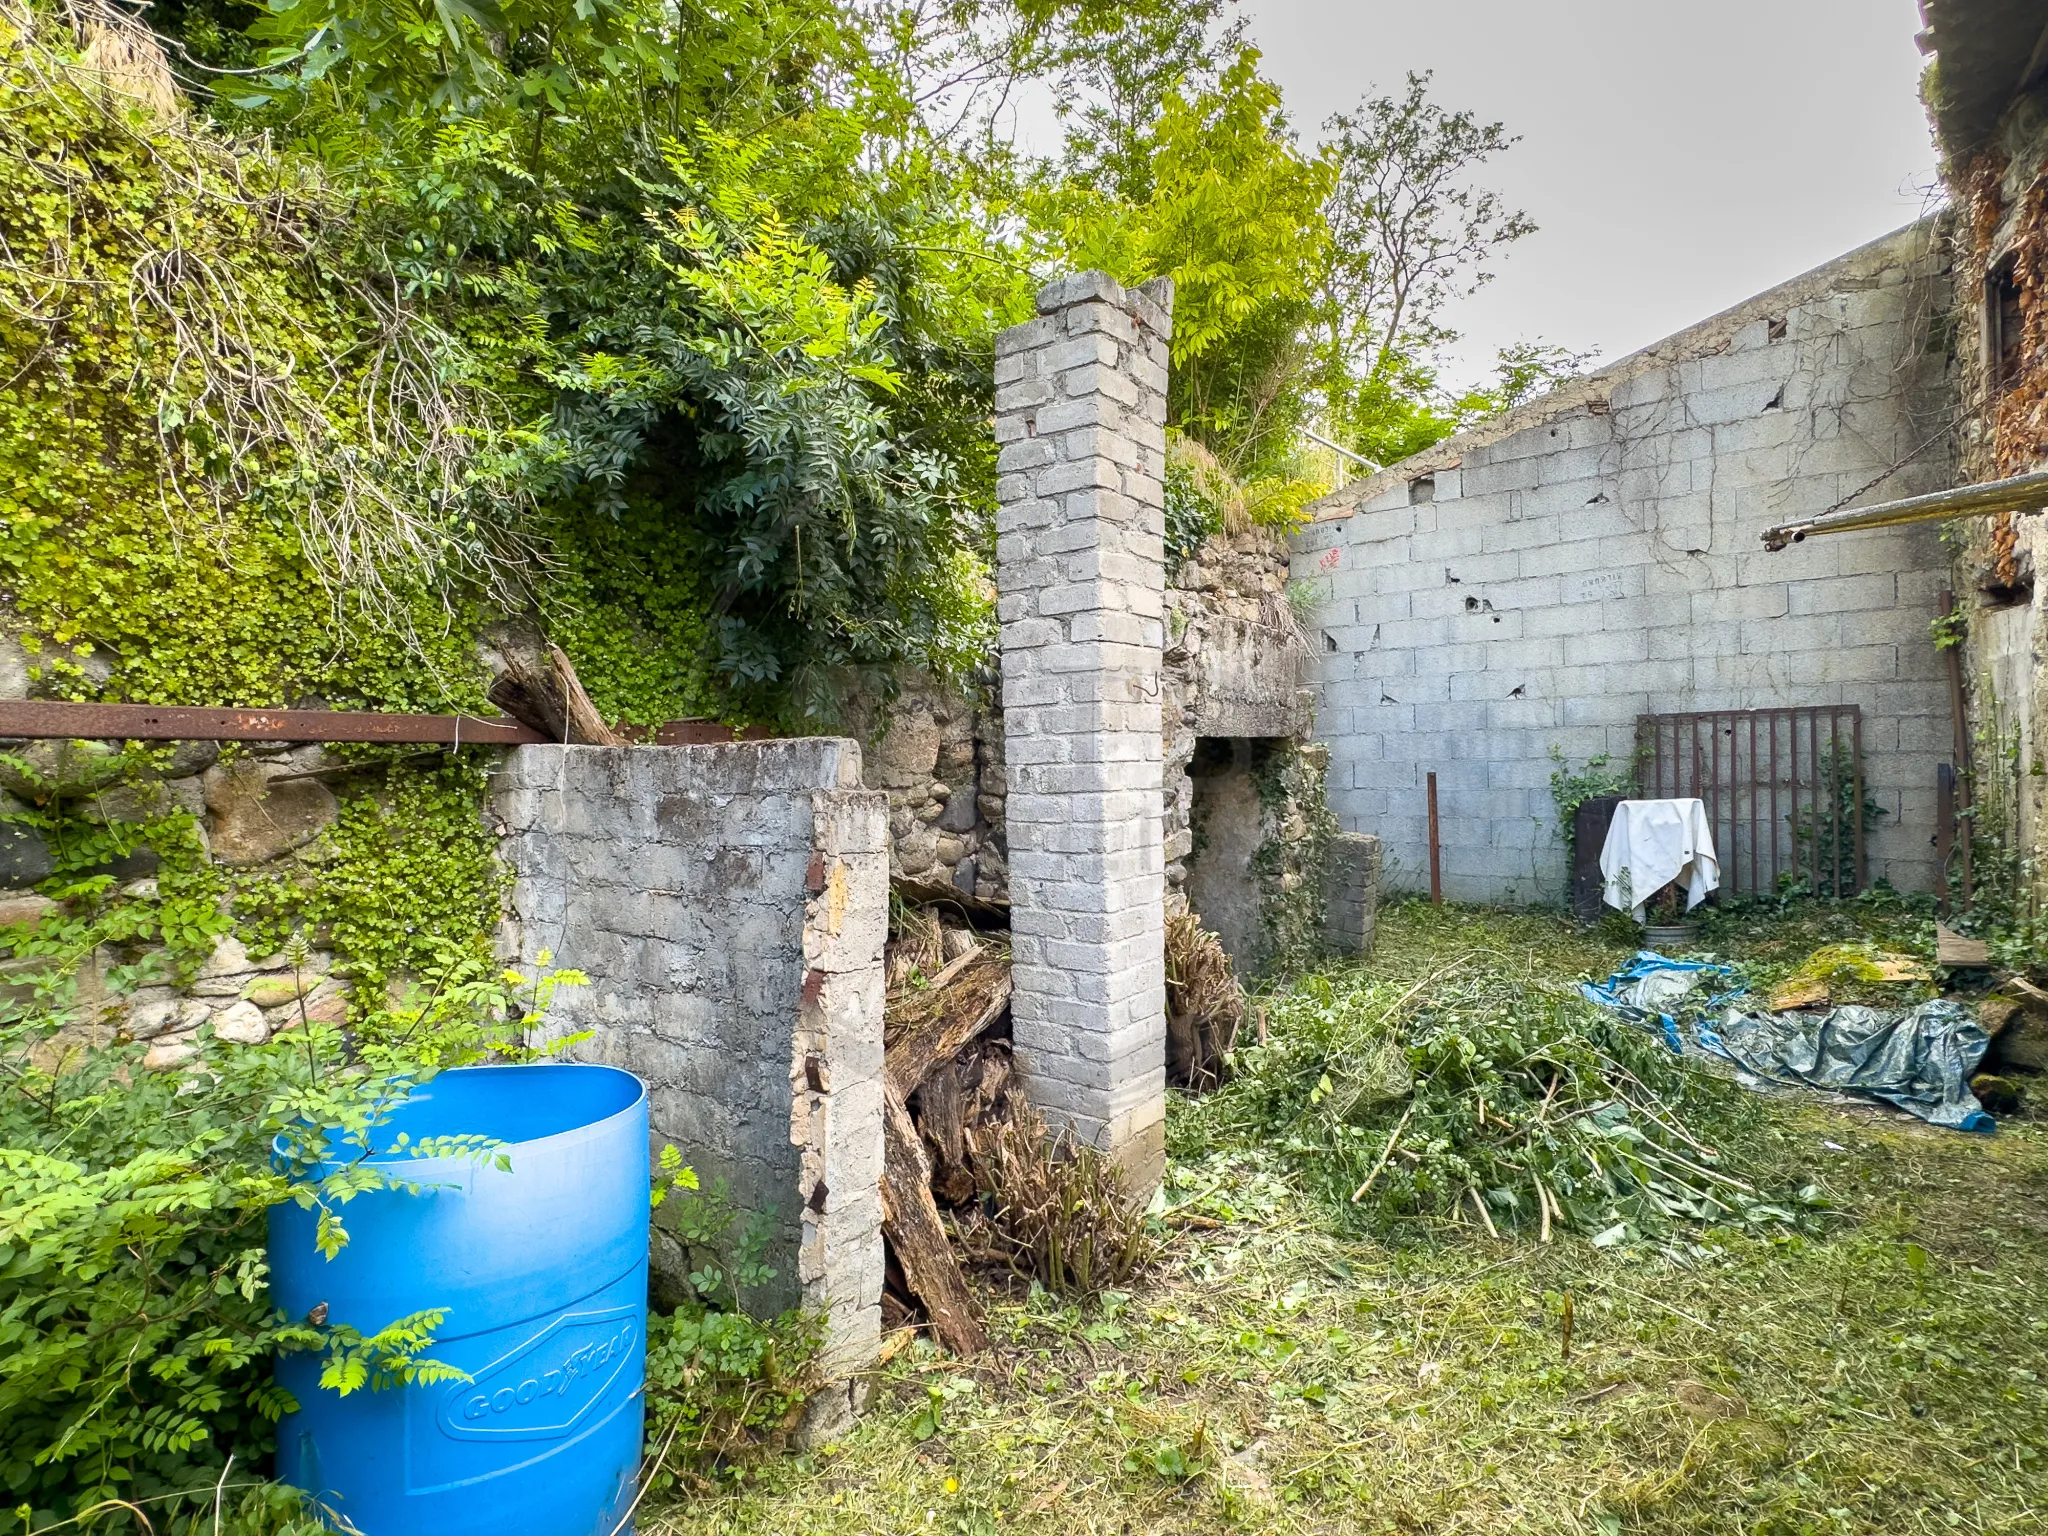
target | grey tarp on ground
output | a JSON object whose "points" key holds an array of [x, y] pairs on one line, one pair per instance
{"points": [[1920, 1059], [1917, 1058]]}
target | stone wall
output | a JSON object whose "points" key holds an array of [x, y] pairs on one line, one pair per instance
{"points": [[1351, 893], [940, 760], [1235, 666], [730, 904], [2001, 335], [1541, 582], [259, 806]]}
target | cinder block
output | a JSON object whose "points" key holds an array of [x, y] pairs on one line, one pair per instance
{"points": [[1520, 533]]}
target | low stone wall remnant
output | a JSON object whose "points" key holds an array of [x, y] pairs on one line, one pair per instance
{"points": [[730, 904]]}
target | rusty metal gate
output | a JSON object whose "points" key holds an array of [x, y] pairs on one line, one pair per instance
{"points": [[1783, 790]]}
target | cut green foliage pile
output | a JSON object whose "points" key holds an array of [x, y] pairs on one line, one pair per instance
{"points": [[1471, 1094]]}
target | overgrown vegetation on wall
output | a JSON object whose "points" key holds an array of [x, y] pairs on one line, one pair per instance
{"points": [[1289, 865], [334, 345]]}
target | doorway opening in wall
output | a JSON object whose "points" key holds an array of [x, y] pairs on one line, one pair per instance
{"points": [[2017, 594], [1223, 887]]}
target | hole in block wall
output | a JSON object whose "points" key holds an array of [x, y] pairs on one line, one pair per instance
{"points": [[1777, 401], [1225, 819], [1422, 488], [1774, 329]]}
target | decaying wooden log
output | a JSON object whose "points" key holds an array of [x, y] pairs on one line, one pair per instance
{"points": [[586, 725], [941, 1034], [917, 1238], [942, 1116], [552, 701]]}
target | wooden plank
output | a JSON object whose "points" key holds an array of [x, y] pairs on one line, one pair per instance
{"points": [[1952, 949], [910, 1221], [51, 718]]}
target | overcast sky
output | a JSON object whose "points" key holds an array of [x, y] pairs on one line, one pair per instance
{"points": [[1678, 157]]}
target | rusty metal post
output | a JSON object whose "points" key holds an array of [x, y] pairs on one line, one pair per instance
{"points": [[1856, 748], [1436, 872], [1944, 826]]}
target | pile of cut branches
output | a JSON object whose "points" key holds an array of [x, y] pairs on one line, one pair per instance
{"points": [[1467, 1095]]}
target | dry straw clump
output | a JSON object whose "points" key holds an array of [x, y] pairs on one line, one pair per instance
{"points": [[1058, 1210], [1204, 1004]]}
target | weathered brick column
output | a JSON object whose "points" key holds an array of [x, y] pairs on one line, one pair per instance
{"points": [[1080, 568]]}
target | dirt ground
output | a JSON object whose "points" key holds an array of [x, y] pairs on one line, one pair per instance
{"points": [[1884, 1374]]}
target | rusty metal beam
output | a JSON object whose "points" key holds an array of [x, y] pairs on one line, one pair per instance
{"points": [[2022, 493], [159, 722]]}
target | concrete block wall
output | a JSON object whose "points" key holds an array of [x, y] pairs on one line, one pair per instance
{"points": [[1540, 583], [1080, 577], [1351, 893], [730, 905]]}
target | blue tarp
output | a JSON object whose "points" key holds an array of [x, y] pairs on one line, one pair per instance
{"points": [[1918, 1058]]}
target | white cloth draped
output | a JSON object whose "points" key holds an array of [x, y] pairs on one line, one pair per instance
{"points": [[1649, 844]]}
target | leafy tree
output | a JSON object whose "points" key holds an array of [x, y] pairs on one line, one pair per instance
{"points": [[757, 348], [1522, 371], [1233, 216], [1118, 72], [1408, 234]]}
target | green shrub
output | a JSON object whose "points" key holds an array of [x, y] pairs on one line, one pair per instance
{"points": [[718, 1378], [136, 1329]]}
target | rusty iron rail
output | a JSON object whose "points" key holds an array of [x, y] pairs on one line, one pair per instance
{"points": [[56, 718], [1783, 788], [161, 722]]}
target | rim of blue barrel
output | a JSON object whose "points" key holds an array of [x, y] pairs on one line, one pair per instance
{"points": [[506, 1144]]}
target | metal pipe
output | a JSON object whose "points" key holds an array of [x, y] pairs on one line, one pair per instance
{"points": [[2022, 493], [1359, 458], [1436, 873]]}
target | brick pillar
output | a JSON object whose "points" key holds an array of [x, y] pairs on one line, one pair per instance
{"points": [[1080, 569]]}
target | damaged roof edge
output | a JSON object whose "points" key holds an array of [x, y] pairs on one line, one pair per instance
{"points": [[1987, 55], [1589, 394]]}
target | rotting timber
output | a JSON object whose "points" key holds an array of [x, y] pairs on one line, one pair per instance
{"points": [[970, 1175]]}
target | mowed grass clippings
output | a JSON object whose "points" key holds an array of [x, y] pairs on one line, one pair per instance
{"points": [[1887, 1376]]}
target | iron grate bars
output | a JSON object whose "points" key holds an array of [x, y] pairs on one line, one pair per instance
{"points": [[1783, 790]]}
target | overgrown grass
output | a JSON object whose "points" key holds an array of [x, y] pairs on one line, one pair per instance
{"points": [[1884, 1376]]}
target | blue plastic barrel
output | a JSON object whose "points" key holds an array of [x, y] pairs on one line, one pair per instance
{"points": [[542, 1272]]}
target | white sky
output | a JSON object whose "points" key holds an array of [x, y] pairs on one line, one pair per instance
{"points": [[1678, 157]]}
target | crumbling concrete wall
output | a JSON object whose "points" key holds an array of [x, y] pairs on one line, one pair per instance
{"points": [[2001, 332], [1542, 581], [1351, 894], [1080, 577], [729, 904]]}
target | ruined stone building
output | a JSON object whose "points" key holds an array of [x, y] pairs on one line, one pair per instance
{"points": [[1987, 92]]}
